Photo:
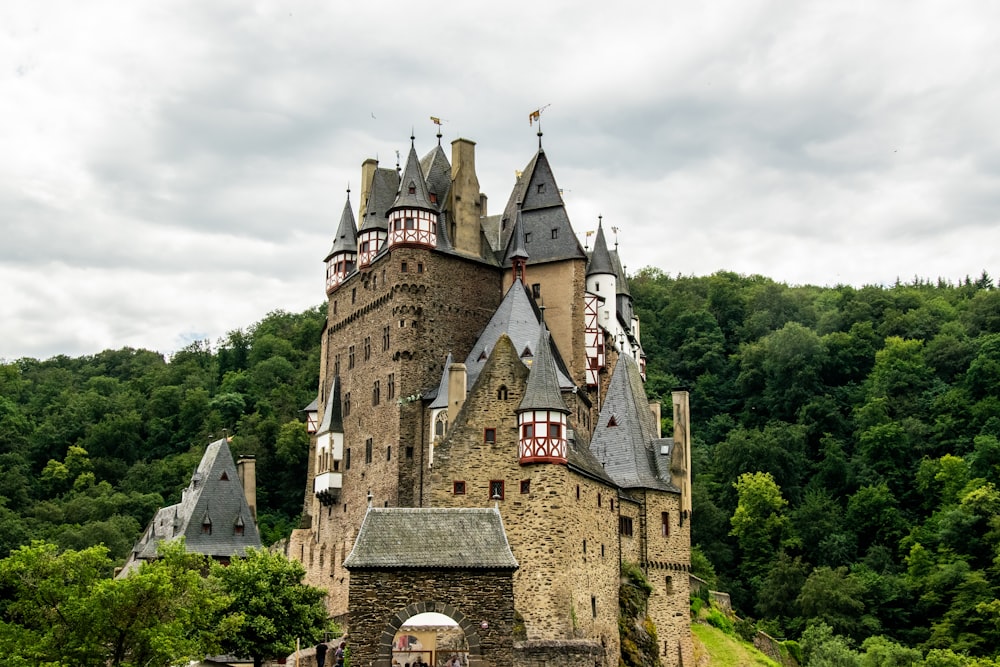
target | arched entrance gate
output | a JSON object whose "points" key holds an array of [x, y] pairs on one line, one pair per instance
{"points": [[453, 561]]}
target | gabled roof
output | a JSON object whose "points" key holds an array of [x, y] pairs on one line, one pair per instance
{"points": [[630, 449], [435, 537], [381, 194], [441, 398], [542, 391], [519, 318], [333, 421], [548, 232], [346, 240], [215, 493], [412, 187], [600, 259], [437, 173]]}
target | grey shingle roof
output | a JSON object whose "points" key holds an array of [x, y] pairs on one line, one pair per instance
{"points": [[333, 421], [346, 239], [518, 317], [625, 440], [542, 391], [548, 233], [412, 537], [412, 187], [600, 259], [441, 398], [214, 492], [622, 283], [516, 249], [437, 172], [381, 194]]}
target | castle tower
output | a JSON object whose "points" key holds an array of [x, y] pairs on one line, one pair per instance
{"points": [[413, 218], [517, 255], [602, 280], [541, 416], [329, 451], [341, 259]]}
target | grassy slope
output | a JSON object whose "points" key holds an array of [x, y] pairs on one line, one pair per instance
{"points": [[713, 648]]}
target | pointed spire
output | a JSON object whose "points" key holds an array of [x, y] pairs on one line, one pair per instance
{"points": [[517, 254], [600, 259], [333, 421], [346, 239], [412, 187], [441, 400], [542, 391]]}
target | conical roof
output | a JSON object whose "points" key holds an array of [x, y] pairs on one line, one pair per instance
{"points": [[412, 187], [333, 421], [625, 439], [600, 259], [346, 240], [542, 391], [516, 249], [437, 173]]}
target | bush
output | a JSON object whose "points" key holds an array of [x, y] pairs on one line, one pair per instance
{"points": [[746, 629], [719, 620]]}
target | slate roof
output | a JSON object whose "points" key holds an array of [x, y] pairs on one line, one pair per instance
{"points": [[413, 177], [441, 396], [543, 214], [215, 492], [628, 447], [542, 391], [333, 420], [516, 249], [437, 172], [519, 318], [381, 195], [622, 282], [346, 240], [435, 537], [600, 259]]}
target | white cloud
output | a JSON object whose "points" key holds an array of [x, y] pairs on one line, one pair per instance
{"points": [[177, 170]]}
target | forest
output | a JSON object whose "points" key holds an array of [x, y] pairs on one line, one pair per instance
{"points": [[846, 445]]}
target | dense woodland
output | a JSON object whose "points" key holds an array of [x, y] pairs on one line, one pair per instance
{"points": [[846, 459]]}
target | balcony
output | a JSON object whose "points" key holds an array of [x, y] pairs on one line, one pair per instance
{"points": [[327, 487]]}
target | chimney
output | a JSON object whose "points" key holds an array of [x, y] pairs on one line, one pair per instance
{"points": [[654, 407], [682, 446], [368, 168], [467, 203], [456, 390], [246, 468]]}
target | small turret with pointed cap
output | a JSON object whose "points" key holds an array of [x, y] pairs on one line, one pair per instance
{"points": [[600, 259], [413, 218], [341, 259], [541, 415]]}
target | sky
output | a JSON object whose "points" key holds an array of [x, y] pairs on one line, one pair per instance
{"points": [[172, 171]]}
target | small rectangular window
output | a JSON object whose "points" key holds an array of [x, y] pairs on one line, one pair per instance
{"points": [[368, 450], [409, 451], [347, 464], [350, 357], [555, 431], [496, 489], [388, 453], [490, 435], [391, 386], [376, 393], [402, 267], [458, 488], [527, 237], [368, 348], [347, 404], [669, 585], [536, 290], [555, 232], [525, 486], [420, 267], [625, 526], [665, 524]]}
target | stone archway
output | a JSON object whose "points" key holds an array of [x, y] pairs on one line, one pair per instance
{"points": [[398, 620]]}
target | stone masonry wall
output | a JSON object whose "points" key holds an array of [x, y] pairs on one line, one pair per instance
{"points": [[562, 526], [480, 601]]}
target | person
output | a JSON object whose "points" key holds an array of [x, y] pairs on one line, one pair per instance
{"points": [[338, 655], [320, 654]]}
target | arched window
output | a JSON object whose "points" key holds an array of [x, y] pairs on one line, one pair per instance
{"points": [[441, 425], [502, 393]]}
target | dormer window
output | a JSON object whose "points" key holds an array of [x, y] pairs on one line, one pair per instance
{"points": [[224, 477], [434, 198], [541, 188], [238, 528], [412, 189], [206, 526], [555, 232]]}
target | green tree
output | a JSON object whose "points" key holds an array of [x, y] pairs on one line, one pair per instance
{"points": [[759, 523], [276, 607]]}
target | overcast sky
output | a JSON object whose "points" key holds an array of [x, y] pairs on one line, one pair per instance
{"points": [[170, 171]]}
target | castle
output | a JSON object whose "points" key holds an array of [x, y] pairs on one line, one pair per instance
{"points": [[491, 361]]}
